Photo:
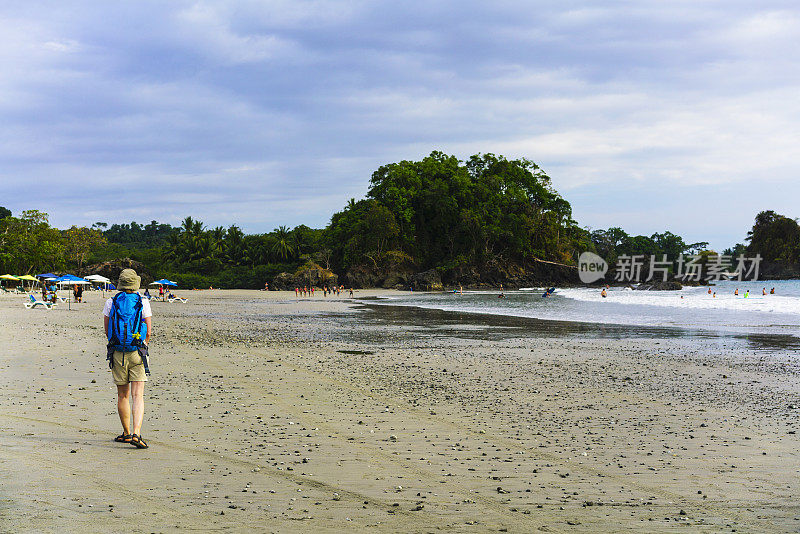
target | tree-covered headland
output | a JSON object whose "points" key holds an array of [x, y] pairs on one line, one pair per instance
{"points": [[483, 221]]}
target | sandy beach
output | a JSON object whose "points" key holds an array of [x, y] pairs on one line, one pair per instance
{"points": [[267, 413]]}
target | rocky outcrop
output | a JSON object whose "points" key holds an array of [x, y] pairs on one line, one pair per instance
{"points": [[426, 281], [398, 278], [361, 277], [312, 275], [512, 275], [669, 285], [111, 270], [283, 282], [402, 275], [309, 275], [779, 271]]}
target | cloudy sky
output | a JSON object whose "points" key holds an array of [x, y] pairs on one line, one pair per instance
{"points": [[649, 115]]}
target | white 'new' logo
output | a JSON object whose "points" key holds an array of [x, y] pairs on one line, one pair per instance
{"points": [[591, 267]]}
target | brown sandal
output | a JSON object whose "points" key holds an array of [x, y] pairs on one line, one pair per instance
{"points": [[138, 442], [123, 438]]}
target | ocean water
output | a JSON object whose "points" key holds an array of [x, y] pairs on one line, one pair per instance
{"points": [[777, 314]]}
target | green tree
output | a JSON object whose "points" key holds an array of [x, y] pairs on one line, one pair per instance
{"points": [[80, 241], [444, 213], [283, 248], [775, 237], [28, 243]]}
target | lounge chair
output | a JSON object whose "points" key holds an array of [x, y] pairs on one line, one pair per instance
{"points": [[33, 303], [174, 298]]}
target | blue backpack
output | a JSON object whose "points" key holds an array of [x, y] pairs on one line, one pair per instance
{"points": [[126, 327]]}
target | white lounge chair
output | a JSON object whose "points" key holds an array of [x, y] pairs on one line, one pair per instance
{"points": [[33, 303], [177, 298]]}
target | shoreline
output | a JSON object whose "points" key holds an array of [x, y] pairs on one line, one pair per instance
{"points": [[752, 339], [279, 414]]}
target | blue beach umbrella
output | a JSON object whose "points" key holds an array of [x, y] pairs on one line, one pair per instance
{"points": [[163, 282], [70, 279]]}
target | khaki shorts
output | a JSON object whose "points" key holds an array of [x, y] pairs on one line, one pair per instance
{"points": [[128, 367]]}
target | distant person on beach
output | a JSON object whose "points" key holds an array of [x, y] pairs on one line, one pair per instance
{"points": [[746, 293], [266, 286], [772, 291], [736, 292], [125, 315], [47, 295], [603, 293], [709, 290], [351, 292], [296, 291], [715, 294], [763, 291], [160, 292]]}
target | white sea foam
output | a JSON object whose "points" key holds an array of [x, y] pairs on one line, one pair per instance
{"points": [[694, 298], [779, 313]]}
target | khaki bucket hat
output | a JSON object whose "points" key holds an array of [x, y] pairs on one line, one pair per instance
{"points": [[128, 279]]}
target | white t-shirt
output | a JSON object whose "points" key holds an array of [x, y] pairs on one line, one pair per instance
{"points": [[146, 311]]}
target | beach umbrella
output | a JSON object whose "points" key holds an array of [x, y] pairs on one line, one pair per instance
{"points": [[46, 276], [70, 279], [8, 277], [99, 279], [29, 278], [162, 282]]}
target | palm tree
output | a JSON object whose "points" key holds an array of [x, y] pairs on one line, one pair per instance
{"points": [[235, 251], [283, 248]]}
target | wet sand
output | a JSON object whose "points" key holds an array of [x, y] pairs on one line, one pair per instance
{"points": [[271, 414]]}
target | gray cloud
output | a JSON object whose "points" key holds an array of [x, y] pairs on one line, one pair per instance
{"points": [[269, 113]]}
